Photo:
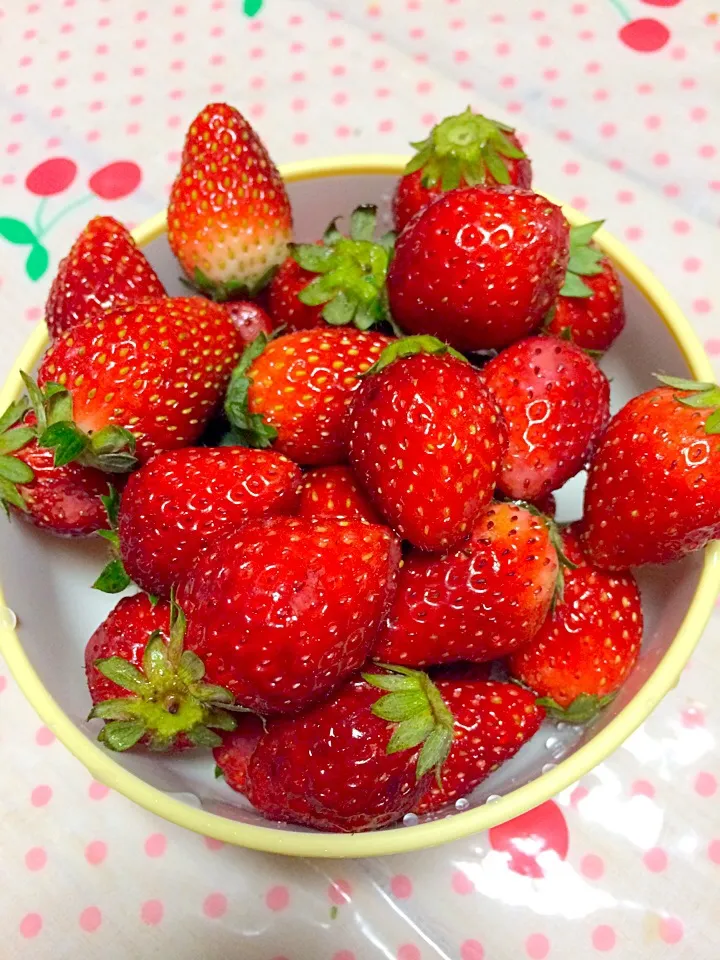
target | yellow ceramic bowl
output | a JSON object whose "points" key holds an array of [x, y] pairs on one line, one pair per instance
{"points": [[45, 654]]}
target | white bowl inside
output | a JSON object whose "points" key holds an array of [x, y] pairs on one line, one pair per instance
{"points": [[47, 584]]}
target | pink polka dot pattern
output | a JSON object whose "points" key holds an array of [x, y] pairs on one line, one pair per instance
{"points": [[461, 883], [90, 919], [714, 851], [642, 788], [151, 912], [471, 950], [592, 866], [97, 791], [31, 925], [537, 946], [344, 955], [408, 951], [277, 898], [35, 858], [705, 784], [339, 892], [44, 737], [215, 905], [603, 938], [401, 886], [155, 845], [41, 795], [95, 852], [671, 929], [656, 860]]}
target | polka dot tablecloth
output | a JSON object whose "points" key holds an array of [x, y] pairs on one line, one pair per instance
{"points": [[618, 105]]}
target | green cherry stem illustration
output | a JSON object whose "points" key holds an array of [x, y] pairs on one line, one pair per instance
{"points": [[42, 229]]}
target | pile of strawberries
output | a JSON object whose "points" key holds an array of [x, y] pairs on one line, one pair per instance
{"points": [[329, 471]]}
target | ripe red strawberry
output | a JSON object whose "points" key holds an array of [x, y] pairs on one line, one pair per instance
{"points": [[556, 403], [492, 721], [426, 442], [64, 500], [588, 645], [282, 610], [467, 150], [181, 500], [146, 376], [482, 600], [229, 218], [145, 686], [590, 309], [480, 267], [341, 766], [249, 319], [653, 490], [294, 391], [340, 280], [103, 269], [335, 492]]}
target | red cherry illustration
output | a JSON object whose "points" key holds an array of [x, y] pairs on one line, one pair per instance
{"points": [[645, 36], [529, 835], [662, 3], [116, 180], [51, 176]]}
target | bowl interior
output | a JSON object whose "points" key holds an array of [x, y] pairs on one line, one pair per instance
{"points": [[46, 581]]}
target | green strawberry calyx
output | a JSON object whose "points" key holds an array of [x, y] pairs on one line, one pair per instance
{"points": [[584, 708], [110, 449], [585, 260], [413, 703], [222, 291], [564, 562], [408, 347], [702, 396], [247, 429], [351, 272], [168, 697], [468, 148], [114, 577], [13, 471]]}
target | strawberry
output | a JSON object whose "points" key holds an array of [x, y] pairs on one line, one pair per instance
{"points": [[147, 688], [294, 391], [249, 319], [282, 610], [232, 757], [103, 269], [653, 489], [183, 499], [480, 601], [479, 268], [466, 150], [65, 500], [588, 645], [143, 377], [426, 442], [590, 309], [492, 721], [556, 402], [229, 218], [335, 492], [340, 281], [341, 766]]}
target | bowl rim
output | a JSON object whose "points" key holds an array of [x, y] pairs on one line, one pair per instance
{"points": [[270, 839]]}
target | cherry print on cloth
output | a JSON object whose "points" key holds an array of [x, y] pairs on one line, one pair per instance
{"points": [[533, 840], [644, 35]]}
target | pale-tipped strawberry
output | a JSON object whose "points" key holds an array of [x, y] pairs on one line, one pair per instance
{"points": [[426, 442], [466, 150], [138, 379], [147, 688], [653, 489], [294, 391], [229, 218], [340, 281], [589, 310], [103, 269]]}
